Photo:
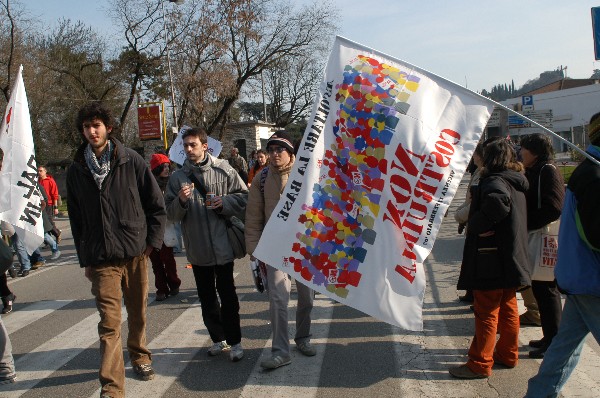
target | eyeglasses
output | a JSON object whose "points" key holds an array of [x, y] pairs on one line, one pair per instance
{"points": [[275, 149]]}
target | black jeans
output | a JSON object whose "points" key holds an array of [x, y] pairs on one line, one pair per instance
{"points": [[221, 320], [550, 306], [4, 290]]}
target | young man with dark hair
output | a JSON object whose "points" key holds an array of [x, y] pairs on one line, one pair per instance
{"points": [[117, 216], [577, 273], [202, 195]]}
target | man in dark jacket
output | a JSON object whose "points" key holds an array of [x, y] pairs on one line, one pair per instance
{"points": [[117, 216]]}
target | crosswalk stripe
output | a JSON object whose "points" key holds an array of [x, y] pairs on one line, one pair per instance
{"points": [[305, 371], [176, 346], [172, 350], [45, 359], [31, 313]]}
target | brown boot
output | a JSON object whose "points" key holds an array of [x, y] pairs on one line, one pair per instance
{"points": [[463, 372]]}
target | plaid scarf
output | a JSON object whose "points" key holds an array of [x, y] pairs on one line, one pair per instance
{"points": [[99, 166]]}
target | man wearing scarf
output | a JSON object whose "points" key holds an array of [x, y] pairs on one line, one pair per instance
{"points": [[117, 216]]}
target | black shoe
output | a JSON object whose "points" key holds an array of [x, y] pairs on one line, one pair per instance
{"points": [[538, 354], [537, 343], [161, 297], [12, 271], [24, 273], [8, 303], [467, 298]]}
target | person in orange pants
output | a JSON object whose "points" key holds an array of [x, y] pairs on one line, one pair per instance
{"points": [[496, 312], [495, 260]]}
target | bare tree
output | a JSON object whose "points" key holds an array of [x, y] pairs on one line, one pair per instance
{"points": [[291, 86], [12, 41], [70, 69], [143, 25], [262, 33], [199, 77]]}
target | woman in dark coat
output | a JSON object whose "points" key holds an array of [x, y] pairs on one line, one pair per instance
{"points": [[545, 199], [495, 261]]}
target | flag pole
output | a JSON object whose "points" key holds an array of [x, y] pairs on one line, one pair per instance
{"points": [[476, 94]]}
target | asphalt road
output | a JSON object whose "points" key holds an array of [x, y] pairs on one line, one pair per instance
{"points": [[55, 342]]}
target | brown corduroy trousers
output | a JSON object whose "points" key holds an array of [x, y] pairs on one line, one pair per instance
{"points": [[111, 283]]}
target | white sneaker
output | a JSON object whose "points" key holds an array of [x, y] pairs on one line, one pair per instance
{"points": [[217, 348], [55, 255], [236, 352]]}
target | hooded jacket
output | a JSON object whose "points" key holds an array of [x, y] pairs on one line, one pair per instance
{"points": [[578, 268], [498, 205], [204, 230], [118, 221]]}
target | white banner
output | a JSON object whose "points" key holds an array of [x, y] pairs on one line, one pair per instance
{"points": [[21, 199], [177, 153], [381, 159]]}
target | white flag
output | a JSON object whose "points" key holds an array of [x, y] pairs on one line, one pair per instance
{"points": [[177, 153], [382, 156], [20, 201]]}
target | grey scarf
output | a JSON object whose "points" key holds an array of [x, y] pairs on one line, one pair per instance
{"points": [[99, 166]]}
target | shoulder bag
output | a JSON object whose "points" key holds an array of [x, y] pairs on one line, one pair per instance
{"points": [[543, 245]]}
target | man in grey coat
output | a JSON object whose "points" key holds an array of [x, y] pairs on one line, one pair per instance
{"points": [[204, 230]]}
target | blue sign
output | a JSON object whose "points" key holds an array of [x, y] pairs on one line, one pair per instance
{"points": [[527, 100], [596, 31]]}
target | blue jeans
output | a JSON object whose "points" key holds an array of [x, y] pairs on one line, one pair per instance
{"points": [[24, 259], [51, 242], [580, 316]]}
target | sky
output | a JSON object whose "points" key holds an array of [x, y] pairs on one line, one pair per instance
{"points": [[476, 43]]}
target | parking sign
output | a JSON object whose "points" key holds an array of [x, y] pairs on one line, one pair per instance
{"points": [[527, 101]]}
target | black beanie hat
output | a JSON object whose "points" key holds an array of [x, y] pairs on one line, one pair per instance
{"points": [[283, 139]]}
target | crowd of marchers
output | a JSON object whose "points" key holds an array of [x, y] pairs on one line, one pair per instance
{"points": [[516, 204], [125, 214]]}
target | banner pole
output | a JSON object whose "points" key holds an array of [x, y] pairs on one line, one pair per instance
{"points": [[569, 143]]}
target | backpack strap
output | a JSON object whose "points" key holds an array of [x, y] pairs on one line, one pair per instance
{"points": [[198, 185]]}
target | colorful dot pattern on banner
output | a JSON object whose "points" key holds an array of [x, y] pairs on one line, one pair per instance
{"points": [[341, 219]]}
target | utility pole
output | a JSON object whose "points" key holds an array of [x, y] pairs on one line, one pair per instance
{"points": [[168, 49]]}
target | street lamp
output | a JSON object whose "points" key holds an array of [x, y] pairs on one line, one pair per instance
{"points": [[178, 2]]}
